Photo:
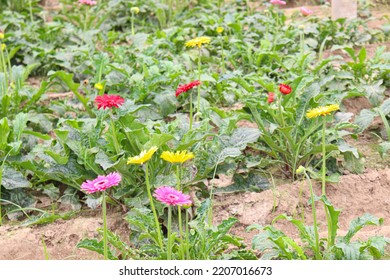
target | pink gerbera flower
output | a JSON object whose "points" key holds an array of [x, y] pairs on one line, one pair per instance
{"points": [[171, 196], [278, 2], [186, 87], [109, 101], [101, 183], [88, 2], [305, 11]]}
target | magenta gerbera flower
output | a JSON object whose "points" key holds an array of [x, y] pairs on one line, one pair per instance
{"points": [[109, 101], [171, 196], [101, 183], [186, 87], [278, 2], [88, 2]]}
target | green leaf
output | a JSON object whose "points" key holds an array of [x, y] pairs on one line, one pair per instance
{"points": [[375, 92], [94, 245], [13, 179], [385, 107], [365, 118], [253, 182], [362, 55], [358, 223], [350, 251], [333, 224], [19, 124], [242, 136], [383, 148]]}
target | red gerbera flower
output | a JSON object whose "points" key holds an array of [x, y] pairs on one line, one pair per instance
{"points": [[285, 89], [271, 97], [186, 87], [109, 101]]}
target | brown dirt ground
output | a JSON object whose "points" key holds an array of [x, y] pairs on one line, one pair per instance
{"points": [[355, 195]]}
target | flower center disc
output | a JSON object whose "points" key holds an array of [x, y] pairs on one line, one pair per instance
{"points": [[172, 197], [100, 183]]}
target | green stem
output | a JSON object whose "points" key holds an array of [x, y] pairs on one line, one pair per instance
{"points": [[152, 206], [1, 179], [105, 245], [187, 238], [4, 66], [169, 249], [132, 24], [385, 123], [191, 111], [199, 72], [222, 57], [315, 225], [114, 136], [323, 156], [280, 109], [178, 187], [31, 13]]}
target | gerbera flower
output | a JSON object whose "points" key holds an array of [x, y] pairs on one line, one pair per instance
{"points": [[171, 196], [144, 156], [305, 11], [278, 2], [98, 86], [186, 87], [198, 41], [109, 101], [1, 35], [271, 97], [220, 29], [285, 89], [88, 2], [322, 111], [178, 157], [101, 183]]}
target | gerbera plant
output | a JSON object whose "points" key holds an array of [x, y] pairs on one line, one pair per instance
{"points": [[179, 158], [107, 101], [198, 42], [171, 197], [141, 159], [101, 184], [185, 88]]}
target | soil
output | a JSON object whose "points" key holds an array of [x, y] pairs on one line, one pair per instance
{"points": [[356, 194]]}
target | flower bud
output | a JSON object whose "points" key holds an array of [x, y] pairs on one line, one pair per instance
{"points": [[134, 10]]}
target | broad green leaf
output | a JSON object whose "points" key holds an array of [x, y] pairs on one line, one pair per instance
{"points": [[385, 107], [375, 92], [358, 223], [251, 183], [365, 118], [350, 251], [94, 245], [383, 148], [333, 223], [13, 179], [242, 136], [19, 124]]}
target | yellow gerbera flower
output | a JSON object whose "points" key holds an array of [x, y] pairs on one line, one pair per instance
{"points": [[99, 86], [322, 111], [144, 156], [220, 29], [198, 41], [1, 35], [178, 157]]}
